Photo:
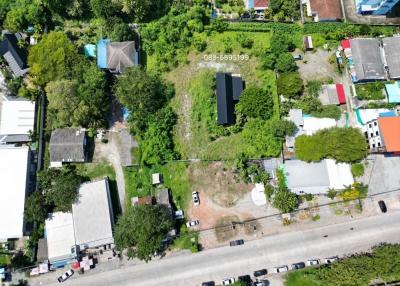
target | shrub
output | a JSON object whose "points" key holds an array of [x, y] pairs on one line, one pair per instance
{"points": [[342, 144], [357, 169], [290, 85]]}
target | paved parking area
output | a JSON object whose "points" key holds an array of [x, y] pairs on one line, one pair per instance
{"points": [[382, 174]]}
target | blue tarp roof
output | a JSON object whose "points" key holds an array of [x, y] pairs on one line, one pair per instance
{"points": [[90, 50], [393, 92], [102, 53]]}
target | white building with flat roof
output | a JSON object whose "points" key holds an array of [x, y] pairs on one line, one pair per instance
{"points": [[93, 215], [14, 181], [89, 225], [17, 118], [317, 177], [59, 234]]}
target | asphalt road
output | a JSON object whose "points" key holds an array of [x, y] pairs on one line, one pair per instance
{"points": [[192, 269]]}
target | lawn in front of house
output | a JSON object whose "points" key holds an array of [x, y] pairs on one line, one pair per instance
{"points": [[94, 171]]}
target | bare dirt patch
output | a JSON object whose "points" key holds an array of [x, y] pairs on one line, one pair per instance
{"points": [[225, 230], [219, 183], [317, 66]]}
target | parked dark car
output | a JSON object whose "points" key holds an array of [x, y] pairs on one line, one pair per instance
{"points": [[245, 279], [209, 283], [236, 242], [298, 265], [260, 272], [382, 205]]}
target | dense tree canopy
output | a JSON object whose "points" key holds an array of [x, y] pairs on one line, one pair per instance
{"points": [[341, 144], [142, 93], [80, 101], [290, 85], [285, 201], [141, 230], [256, 102], [285, 63], [60, 187], [35, 209], [52, 58], [157, 145], [19, 14]]}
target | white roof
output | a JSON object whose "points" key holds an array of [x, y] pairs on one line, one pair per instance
{"points": [[317, 177], [313, 124], [17, 116], [367, 115], [60, 235], [13, 181], [339, 174], [92, 215]]}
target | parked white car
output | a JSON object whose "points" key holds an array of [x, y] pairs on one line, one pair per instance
{"points": [[312, 262], [330, 260], [281, 269], [195, 198], [192, 223], [228, 281]]}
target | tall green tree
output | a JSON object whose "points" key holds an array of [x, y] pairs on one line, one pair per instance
{"points": [[256, 102], [285, 63], [22, 13], [285, 201], [141, 230], [342, 144], [142, 93], [157, 145], [60, 187], [35, 208], [290, 85], [52, 58]]}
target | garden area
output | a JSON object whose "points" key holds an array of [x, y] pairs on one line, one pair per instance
{"points": [[371, 91]]}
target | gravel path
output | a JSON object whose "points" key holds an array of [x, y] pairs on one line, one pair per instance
{"points": [[111, 152]]}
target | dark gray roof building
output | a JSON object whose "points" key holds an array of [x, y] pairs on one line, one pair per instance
{"points": [[120, 55], [368, 59], [229, 89], [15, 56], [392, 54], [67, 145]]}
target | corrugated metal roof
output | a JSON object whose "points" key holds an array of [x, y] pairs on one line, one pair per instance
{"points": [[390, 131]]}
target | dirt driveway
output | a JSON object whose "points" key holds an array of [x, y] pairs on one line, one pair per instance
{"points": [[317, 66], [115, 152]]}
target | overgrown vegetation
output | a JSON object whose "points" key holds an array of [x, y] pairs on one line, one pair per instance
{"points": [[370, 91], [341, 144], [357, 169], [382, 264], [141, 230]]}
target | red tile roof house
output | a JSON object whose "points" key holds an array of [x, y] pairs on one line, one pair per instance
{"points": [[324, 10], [390, 133], [258, 5]]}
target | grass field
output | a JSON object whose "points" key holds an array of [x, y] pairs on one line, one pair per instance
{"points": [[94, 171], [175, 176], [299, 279]]}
